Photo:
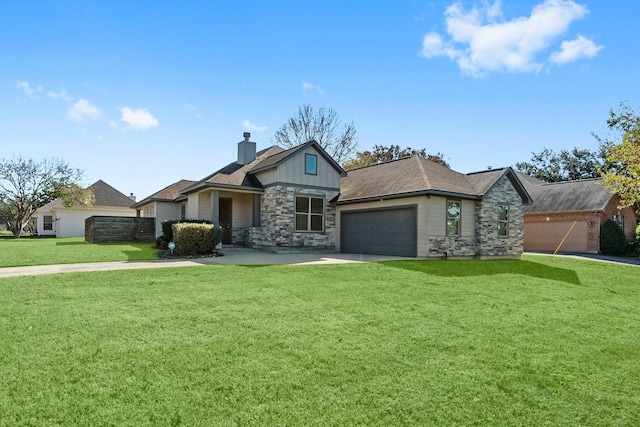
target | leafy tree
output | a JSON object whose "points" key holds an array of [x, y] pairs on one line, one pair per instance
{"points": [[567, 165], [622, 150], [323, 126], [382, 153], [26, 185], [612, 239]]}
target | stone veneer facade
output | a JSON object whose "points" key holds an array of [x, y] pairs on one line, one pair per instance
{"points": [[277, 212], [489, 244], [486, 243]]}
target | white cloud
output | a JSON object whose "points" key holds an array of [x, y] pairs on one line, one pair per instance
{"points": [[82, 110], [140, 119], [250, 126], [60, 95], [481, 41], [311, 86], [573, 50], [26, 88]]}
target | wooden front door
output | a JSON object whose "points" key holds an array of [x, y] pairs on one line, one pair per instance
{"points": [[225, 219]]}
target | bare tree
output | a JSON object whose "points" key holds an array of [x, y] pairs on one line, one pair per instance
{"points": [[337, 139], [26, 185]]}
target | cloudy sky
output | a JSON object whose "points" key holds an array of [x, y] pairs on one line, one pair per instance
{"points": [[142, 94]]}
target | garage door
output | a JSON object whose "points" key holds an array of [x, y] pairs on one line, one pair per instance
{"points": [[546, 236], [379, 232]]}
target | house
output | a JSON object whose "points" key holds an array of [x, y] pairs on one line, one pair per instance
{"points": [[571, 209], [164, 205], [54, 219], [419, 208], [301, 199], [274, 199]]}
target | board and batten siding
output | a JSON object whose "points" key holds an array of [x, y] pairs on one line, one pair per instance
{"points": [[420, 202], [292, 172], [437, 214]]}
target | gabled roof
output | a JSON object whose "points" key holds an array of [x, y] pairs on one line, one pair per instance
{"points": [[279, 158], [416, 175], [235, 175], [104, 196], [567, 196], [170, 193], [483, 181]]}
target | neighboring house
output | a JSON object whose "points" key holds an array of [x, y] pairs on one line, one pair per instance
{"points": [[417, 207], [54, 219], [581, 206], [301, 199], [165, 205]]}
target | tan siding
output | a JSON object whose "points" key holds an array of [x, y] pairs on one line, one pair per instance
{"points": [[468, 217], [204, 205], [268, 177], [436, 211], [192, 206], [165, 211]]}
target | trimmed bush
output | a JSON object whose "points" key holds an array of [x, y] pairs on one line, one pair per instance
{"points": [[167, 226], [196, 239], [612, 239]]}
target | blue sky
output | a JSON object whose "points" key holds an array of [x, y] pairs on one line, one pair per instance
{"points": [[141, 94]]}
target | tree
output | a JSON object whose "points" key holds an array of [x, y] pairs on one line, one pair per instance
{"points": [[567, 165], [381, 153], [323, 126], [26, 185], [622, 150]]}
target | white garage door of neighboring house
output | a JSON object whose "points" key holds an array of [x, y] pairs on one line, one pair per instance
{"points": [[546, 236], [379, 232]]}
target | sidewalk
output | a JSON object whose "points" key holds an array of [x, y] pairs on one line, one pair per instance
{"points": [[240, 256]]}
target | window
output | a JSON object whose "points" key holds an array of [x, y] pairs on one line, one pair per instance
{"points": [[453, 218], [503, 220], [47, 222], [183, 211], [310, 164], [619, 219], [309, 214]]}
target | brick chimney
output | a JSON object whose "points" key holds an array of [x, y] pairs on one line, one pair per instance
{"points": [[246, 150]]}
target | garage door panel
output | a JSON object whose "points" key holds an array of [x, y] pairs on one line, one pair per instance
{"points": [[379, 232], [546, 236]]}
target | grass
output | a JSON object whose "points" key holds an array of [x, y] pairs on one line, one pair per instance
{"points": [[529, 342], [43, 251]]}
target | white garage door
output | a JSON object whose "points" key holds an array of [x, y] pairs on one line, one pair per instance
{"points": [[546, 236], [379, 232]]}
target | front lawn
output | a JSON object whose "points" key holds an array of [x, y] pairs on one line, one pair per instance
{"points": [[531, 342], [44, 251]]}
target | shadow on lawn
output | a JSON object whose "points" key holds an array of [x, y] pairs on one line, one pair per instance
{"points": [[468, 268]]}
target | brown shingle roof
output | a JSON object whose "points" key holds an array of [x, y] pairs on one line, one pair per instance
{"points": [[104, 196], [416, 175], [169, 193], [235, 174], [567, 196], [397, 178]]}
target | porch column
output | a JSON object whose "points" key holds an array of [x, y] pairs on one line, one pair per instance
{"points": [[256, 211], [215, 207]]}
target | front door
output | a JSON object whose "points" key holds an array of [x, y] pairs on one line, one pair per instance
{"points": [[225, 219]]}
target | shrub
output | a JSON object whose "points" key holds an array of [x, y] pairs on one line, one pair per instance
{"points": [[612, 239], [196, 239], [167, 226]]}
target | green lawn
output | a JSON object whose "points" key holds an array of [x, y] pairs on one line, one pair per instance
{"points": [[44, 251], [531, 342]]}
